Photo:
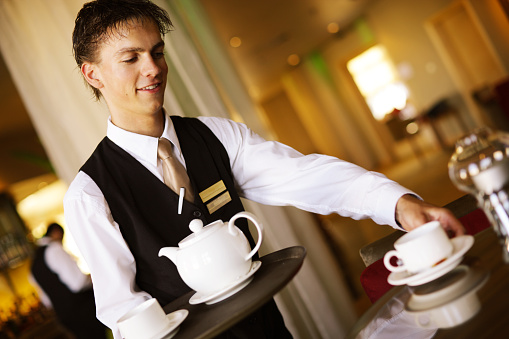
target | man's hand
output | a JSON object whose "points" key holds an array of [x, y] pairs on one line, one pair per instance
{"points": [[412, 212]]}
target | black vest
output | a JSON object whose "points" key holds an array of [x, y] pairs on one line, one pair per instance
{"points": [[146, 209]]}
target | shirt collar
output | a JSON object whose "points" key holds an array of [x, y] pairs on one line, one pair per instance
{"points": [[142, 146], [44, 241]]}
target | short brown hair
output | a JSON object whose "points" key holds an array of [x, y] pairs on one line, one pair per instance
{"points": [[100, 18], [53, 227]]}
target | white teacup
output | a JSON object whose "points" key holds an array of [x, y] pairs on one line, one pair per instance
{"points": [[420, 249], [145, 321]]}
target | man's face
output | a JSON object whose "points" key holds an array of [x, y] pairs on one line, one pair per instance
{"points": [[57, 235], [131, 72]]}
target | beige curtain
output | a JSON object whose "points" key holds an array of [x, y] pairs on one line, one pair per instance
{"points": [[35, 41]]}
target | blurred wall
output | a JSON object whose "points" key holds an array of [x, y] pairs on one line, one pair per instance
{"points": [[495, 22], [348, 130]]}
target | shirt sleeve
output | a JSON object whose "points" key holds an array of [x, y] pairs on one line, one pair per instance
{"points": [[111, 263], [272, 173], [61, 263]]}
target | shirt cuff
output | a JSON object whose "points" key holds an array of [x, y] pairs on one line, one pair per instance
{"points": [[387, 205]]}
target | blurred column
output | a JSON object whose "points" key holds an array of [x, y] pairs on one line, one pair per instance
{"points": [[227, 81]]}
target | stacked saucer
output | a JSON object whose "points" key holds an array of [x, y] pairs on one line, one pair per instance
{"points": [[460, 245], [448, 301]]}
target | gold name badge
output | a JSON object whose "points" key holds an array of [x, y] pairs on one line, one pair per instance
{"points": [[216, 204], [214, 192]]}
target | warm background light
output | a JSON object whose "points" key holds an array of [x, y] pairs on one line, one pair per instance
{"points": [[377, 79], [235, 42], [333, 28], [43, 207], [412, 128], [293, 60]]}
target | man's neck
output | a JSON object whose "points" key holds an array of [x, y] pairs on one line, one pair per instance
{"points": [[151, 125]]}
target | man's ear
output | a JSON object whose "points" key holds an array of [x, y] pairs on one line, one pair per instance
{"points": [[91, 75]]}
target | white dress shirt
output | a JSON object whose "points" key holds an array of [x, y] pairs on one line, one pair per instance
{"points": [[267, 172]]}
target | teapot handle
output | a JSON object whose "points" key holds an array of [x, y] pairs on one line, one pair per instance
{"points": [[259, 228]]}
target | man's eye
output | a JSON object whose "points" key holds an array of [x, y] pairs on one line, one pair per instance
{"points": [[158, 55], [131, 60]]}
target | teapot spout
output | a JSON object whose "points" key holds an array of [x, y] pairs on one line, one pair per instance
{"points": [[170, 253]]}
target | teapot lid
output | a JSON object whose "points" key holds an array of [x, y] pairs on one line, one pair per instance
{"points": [[200, 232]]}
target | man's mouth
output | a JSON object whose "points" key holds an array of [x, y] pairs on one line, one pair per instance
{"points": [[150, 87]]}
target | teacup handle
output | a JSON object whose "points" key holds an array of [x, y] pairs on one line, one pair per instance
{"points": [[387, 261], [259, 228]]}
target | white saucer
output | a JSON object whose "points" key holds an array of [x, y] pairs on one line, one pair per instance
{"points": [[175, 319], [460, 244], [226, 292]]}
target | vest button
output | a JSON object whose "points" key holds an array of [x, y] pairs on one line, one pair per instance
{"points": [[197, 214]]}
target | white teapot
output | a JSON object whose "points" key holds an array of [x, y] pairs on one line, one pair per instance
{"points": [[214, 256]]}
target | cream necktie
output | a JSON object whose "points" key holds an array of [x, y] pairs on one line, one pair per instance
{"points": [[174, 173]]}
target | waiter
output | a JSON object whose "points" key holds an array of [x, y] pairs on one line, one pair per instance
{"points": [[126, 202]]}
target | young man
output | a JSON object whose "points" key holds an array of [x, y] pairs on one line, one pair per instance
{"points": [[64, 288], [121, 213]]}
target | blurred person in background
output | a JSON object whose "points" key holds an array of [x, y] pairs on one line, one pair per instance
{"points": [[64, 288]]}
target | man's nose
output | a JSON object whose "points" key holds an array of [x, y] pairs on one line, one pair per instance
{"points": [[150, 67]]}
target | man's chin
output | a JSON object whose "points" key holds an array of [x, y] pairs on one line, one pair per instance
{"points": [[153, 106]]}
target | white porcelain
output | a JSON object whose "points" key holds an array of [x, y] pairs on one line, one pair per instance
{"points": [[148, 321], [451, 304], [461, 245], [228, 291], [450, 315], [420, 249], [214, 256]]}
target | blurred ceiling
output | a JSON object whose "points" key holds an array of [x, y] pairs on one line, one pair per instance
{"points": [[270, 31]]}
